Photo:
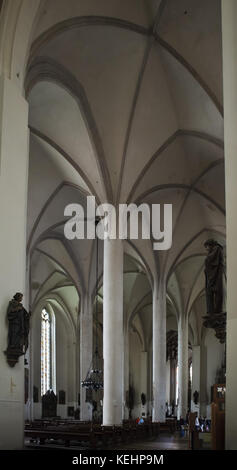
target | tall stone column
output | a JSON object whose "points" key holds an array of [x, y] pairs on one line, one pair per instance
{"points": [[14, 153], [113, 341], [229, 37], [72, 364], [126, 371], [86, 353], [159, 352], [28, 365], [182, 367], [196, 359], [172, 380], [144, 373], [168, 374]]}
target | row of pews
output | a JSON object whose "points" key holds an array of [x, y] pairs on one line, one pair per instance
{"points": [[88, 434]]}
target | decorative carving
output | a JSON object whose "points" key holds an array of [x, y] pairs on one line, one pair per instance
{"points": [[18, 329], [214, 271], [49, 405], [172, 345], [218, 323]]}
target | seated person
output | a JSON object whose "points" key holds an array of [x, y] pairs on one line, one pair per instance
{"points": [[141, 421]]}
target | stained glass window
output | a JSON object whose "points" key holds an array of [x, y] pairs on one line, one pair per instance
{"points": [[46, 352], [191, 373]]}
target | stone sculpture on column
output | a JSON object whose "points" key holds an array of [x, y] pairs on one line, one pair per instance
{"points": [[214, 273], [18, 329]]}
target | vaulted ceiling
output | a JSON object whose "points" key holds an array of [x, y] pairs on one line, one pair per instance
{"points": [[125, 103]]}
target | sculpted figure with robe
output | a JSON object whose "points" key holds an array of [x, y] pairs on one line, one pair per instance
{"points": [[18, 329], [214, 270]]}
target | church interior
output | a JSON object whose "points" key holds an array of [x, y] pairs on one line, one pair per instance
{"points": [[131, 102]]}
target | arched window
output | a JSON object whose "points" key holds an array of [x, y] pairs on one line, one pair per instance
{"points": [[191, 373], [47, 352]]}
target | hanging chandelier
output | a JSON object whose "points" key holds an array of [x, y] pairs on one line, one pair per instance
{"points": [[93, 380], [94, 376]]}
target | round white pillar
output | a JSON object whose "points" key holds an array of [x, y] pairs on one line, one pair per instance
{"points": [[172, 380], [229, 39], [126, 372], [144, 376], [13, 209], [159, 352], [86, 354], [196, 361], [182, 368], [113, 342]]}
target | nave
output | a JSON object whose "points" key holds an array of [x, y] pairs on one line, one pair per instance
{"points": [[117, 102]]}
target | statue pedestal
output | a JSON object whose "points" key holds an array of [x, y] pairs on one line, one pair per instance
{"points": [[217, 321], [13, 356]]}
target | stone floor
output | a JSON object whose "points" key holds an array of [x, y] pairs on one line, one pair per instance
{"points": [[163, 442]]}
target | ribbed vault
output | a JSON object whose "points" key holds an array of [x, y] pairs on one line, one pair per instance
{"points": [[125, 104]]}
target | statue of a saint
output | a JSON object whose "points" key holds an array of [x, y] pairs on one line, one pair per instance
{"points": [[195, 397], [18, 329], [214, 269], [26, 328]]}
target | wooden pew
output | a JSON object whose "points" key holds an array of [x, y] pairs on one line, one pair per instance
{"points": [[171, 423], [62, 435], [94, 434]]}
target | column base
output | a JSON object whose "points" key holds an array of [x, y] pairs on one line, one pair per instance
{"points": [[12, 427]]}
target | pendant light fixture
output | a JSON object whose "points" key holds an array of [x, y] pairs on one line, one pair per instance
{"points": [[94, 377]]}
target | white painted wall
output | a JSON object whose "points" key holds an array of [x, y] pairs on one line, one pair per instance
{"points": [[13, 199], [212, 355]]}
